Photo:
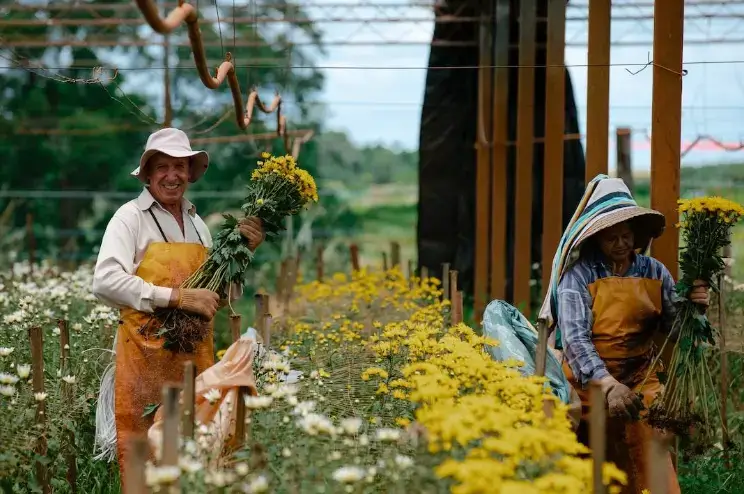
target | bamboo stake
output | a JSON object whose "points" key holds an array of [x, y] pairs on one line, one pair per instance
{"points": [[354, 251], [169, 454], [189, 395], [445, 281], [395, 254], [37, 364], [597, 434], [134, 482]]}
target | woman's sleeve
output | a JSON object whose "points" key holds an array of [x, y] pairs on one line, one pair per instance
{"points": [[575, 322]]}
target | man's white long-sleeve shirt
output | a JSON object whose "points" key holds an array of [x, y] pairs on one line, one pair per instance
{"points": [[128, 234]]}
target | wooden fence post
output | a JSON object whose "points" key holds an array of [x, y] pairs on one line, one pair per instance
{"points": [[64, 366], [597, 435], [657, 477], [384, 261], [624, 156], [235, 327], [541, 353], [188, 397], [37, 365], [395, 254], [424, 273], [354, 252], [135, 481], [169, 452], [445, 281]]}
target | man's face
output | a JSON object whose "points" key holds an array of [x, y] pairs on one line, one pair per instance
{"points": [[616, 242], [168, 178]]}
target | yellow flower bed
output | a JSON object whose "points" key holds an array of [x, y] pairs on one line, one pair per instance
{"points": [[481, 417]]}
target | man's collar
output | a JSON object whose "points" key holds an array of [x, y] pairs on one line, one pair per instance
{"points": [[146, 200]]}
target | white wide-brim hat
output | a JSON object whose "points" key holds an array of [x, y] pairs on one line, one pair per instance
{"points": [[173, 142]]}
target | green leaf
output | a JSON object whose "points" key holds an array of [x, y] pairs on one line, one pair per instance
{"points": [[150, 409]]}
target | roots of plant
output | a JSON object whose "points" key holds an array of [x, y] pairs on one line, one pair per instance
{"points": [[181, 331]]}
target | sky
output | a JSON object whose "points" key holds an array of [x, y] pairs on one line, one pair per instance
{"points": [[384, 105]]}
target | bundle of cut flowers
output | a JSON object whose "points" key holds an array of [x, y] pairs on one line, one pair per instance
{"points": [[278, 188], [706, 225]]}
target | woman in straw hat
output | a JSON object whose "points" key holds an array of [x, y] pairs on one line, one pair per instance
{"points": [[607, 302]]}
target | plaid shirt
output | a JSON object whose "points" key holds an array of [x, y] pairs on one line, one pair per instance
{"points": [[575, 310]]}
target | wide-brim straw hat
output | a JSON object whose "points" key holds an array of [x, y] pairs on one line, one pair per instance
{"points": [[647, 224], [173, 142]]}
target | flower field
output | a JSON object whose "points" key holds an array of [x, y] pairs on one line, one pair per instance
{"points": [[390, 396]]}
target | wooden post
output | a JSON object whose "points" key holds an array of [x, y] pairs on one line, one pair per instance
{"points": [[598, 89], [395, 254], [64, 366], [555, 96], [457, 309], [262, 309], [384, 261], [189, 396], [266, 326], [319, 264], [37, 366], [238, 440], [597, 434], [169, 452], [525, 146], [483, 173], [541, 352], [452, 282], [658, 478], [354, 251], [235, 327], [424, 273], [135, 482], [724, 368], [623, 149], [499, 155], [666, 126], [445, 281], [281, 280], [410, 274]]}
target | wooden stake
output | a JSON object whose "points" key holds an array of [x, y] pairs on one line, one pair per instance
{"points": [[424, 273], [169, 452], [64, 342], [384, 261], [235, 326], [410, 275], [598, 89], [282, 279], [64, 366], [189, 396], [319, 264], [135, 481], [354, 251], [395, 254], [238, 440], [624, 156], [457, 309], [453, 282], [445, 281], [37, 365], [656, 456], [597, 434], [541, 353], [266, 326]]}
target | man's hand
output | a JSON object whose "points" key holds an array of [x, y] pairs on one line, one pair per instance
{"points": [[251, 229], [622, 402], [700, 293], [199, 301]]}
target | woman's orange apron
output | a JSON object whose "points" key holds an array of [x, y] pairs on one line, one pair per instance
{"points": [[142, 365], [626, 315]]}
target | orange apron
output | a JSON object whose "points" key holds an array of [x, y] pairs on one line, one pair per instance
{"points": [[142, 365], [626, 313]]}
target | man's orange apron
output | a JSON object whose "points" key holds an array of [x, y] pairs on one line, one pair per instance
{"points": [[626, 312], [142, 366]]}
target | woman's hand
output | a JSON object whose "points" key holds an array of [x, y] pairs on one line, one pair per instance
{"points": [[251, 229], [700, 293]]}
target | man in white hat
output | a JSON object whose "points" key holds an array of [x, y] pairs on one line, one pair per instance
{"points": [[150, 246]]}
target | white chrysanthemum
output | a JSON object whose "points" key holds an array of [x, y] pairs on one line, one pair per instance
{"points": [[351, 425], [23, 371], [5, 351], [348, 475], [40, 396], [7, 390], [387, 435], [189, 465], [315, 424], [304, 407], [403, 461], [212, 395], [69, 379], [256, 402], [6, 378], [258, 485], [155, 475]]}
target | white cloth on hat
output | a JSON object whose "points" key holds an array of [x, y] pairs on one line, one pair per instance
{"points": [[173, 142]]}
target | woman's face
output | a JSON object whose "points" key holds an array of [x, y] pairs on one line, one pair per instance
{"points": [[616, 242]]}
